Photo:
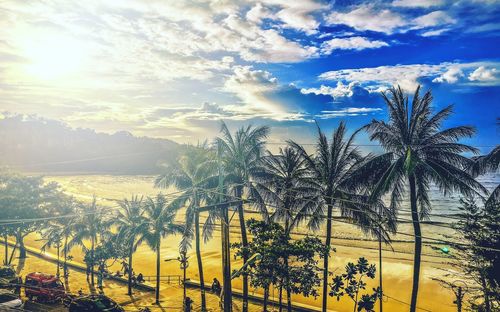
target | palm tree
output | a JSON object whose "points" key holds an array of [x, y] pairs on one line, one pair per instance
{"points": [[132, 228], [488, 163], [92, 226], [67, 233], [53, 235], [419, 153], [220, 199], [284, 182], [333, 167], [241, 154], [193, 171], [66, 205], [160, 218]]}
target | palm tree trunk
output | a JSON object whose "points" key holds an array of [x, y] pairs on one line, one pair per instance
{"points": [[244, 242], [5, 238], [280, 298], [12, 254], [266, 297], [65, 265], [58, 259], [288, 299], [226, 261], [22, 248], [131, 252], [92, 242], [418, 243], [226, 251], [487, 304], [327, 254], [157, 294], [198, 258], [288, 290], [380, 267]]}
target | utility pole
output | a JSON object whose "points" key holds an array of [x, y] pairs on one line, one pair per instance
{"points": [[380, 230], [380, 268], [226, 251], [459, 296], [459, 292]]}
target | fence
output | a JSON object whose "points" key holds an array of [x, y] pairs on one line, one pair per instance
{"points": [[164, 278]]}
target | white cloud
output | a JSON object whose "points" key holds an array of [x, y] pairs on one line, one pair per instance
{"points": [[432, 33], [257, 13], [250, 86], [483, 74], [409, 76], [349, 111], [404, 75], [418, 3], [351, 43], [298, 14], [253, 80], [341, 90], [368, 17], [254, 43], [452, 75], [432, 19]]}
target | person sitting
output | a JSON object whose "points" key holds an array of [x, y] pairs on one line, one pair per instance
{"points": [[216, 288], [188, 304], [133, 278], [140, 278]]}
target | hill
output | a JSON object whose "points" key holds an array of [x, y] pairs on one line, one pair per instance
{"points": [[33, 144]]}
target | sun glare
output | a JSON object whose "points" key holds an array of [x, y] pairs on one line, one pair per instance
{"points": [[53, 57]]}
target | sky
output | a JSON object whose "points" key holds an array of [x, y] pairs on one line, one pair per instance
{"points": [[175, 69]]}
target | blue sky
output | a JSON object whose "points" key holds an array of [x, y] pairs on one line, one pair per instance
{"points": [[174, 69]]}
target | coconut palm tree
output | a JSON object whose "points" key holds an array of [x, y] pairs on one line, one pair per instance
{"points": [[193, 172], [131, 227], [240, 155], [417, 153], [284, 182], [488, 163], [63, 228], [220, 200], [334, 166], [67, 234], [53, 236], [93, 226], [160, 217]]}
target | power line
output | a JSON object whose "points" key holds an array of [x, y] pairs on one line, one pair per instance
{"points": [[62, 162], [240, 199], [360, 145], [336, 220], [70, 161], [405, 303]]}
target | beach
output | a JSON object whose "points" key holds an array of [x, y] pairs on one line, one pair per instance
{"points": [[349, 243]]}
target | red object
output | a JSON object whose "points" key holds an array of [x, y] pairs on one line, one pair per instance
{"points": [[45, 287]]}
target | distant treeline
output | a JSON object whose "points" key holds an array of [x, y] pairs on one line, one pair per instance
{"points": [[33, 144]]}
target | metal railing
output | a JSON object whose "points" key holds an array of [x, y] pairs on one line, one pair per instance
{"points": [[164, 278]]}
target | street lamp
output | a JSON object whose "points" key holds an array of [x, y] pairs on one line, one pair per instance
{"points": [[184, 264]]}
